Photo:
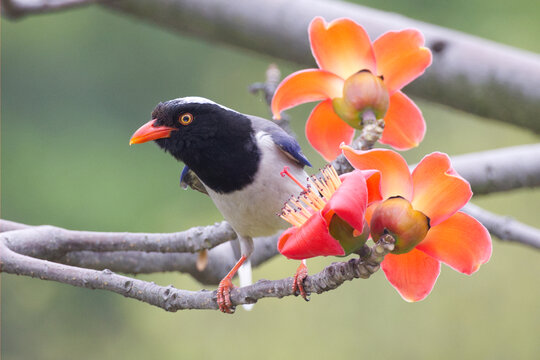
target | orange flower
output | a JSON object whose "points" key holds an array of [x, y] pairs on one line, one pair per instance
{"points": [[355, 75], [328, 217], [434, 192]]}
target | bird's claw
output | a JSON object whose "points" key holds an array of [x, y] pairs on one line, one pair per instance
{"points": [[298, 281], [224, 296]]}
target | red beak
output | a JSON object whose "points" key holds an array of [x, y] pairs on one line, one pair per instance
{"points": [[150, 131]]}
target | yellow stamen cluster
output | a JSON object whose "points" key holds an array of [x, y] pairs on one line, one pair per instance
{"points": [[297, 210]]}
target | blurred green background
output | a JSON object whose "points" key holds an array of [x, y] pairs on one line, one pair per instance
{"points": [[76, 85]]}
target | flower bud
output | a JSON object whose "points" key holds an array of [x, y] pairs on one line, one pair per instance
{"points": [[362, 91], [397, 217]]}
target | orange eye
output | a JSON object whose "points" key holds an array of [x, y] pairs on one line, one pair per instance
{"points": [[185, 118]]}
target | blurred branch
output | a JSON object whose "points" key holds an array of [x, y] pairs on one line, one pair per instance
{"points": [[172, 299], [468, 73], [269, 86], [6, 225], [504, 227], [220, 260], [500, 169], [490, 171], [267, 89], [15, 9], [51, 242]]}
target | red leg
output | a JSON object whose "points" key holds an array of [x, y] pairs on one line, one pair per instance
{"points": [[299, 277], [224, 289]]}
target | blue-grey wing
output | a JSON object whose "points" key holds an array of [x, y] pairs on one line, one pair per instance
{"points": [[284, 141], [290, 147], [189, 179]]}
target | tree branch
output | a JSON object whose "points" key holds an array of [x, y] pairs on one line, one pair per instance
{"points": [[489, 171], [145, 253], [220, 260], [505, 227], [15, 9], [468, 73], [6, 225], [95, 250], [172, 299], [500, 169], [30, 241]]}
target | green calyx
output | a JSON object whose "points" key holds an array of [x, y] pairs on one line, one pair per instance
{"points": [[361, 92], [344, 233], [347, 113]]}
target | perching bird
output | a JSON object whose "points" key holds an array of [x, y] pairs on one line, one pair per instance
{"points": [[238, 159]]}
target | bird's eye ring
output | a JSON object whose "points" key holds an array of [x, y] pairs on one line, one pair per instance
{"points": [[185, 119]]}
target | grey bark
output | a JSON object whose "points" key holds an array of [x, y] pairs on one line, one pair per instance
{"points": [[172, 299], [505, 227], [144, 253], [469, 73]]}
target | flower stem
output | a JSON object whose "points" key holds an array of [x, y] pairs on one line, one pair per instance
{"points": [[371, 131]]}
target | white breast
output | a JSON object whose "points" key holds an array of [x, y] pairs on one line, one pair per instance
{"points": [[253, 210]]}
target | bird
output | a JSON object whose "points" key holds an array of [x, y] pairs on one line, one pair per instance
{"points": [[238, 159]]}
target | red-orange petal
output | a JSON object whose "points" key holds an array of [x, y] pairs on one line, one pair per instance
{"points": [[373, 183], [342, 46], [305, 86], [401, 57], [349, 202], [395, 175], [309, 240], [438, 190], [325, 131], [404, 125], [370, 209], [412, 274], [460, 242]]}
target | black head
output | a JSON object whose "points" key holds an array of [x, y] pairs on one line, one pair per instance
{"points": [[217, 143]]}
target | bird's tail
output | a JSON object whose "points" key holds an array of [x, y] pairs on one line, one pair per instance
{"points": [[244, 275]]}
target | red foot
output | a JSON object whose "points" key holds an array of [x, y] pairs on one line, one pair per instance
{"points": [[224, 289], [298, 283], [224, 296]]}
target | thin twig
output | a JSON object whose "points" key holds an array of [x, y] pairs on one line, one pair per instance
{"points": [[371, 132], [268, 88]]}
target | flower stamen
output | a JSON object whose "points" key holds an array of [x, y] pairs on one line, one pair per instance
{"points": [[299, 209], [286, 172]]}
